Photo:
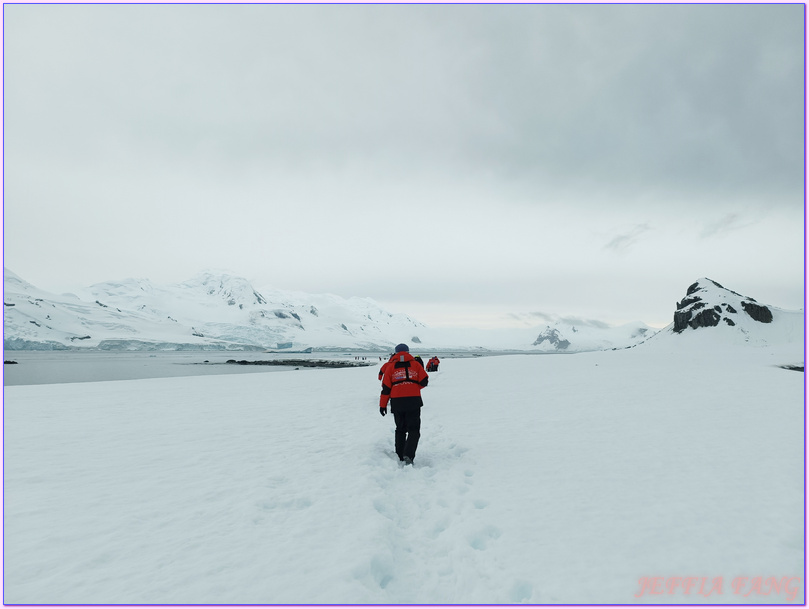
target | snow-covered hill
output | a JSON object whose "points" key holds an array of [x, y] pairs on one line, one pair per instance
{"points": [[713, 313], [210, 311]]}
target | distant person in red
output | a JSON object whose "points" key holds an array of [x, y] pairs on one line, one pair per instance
{"points": [[385, 366], [402, 383], [432, 365]]}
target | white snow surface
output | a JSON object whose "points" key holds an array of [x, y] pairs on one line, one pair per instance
{"points": [[538, 479]]}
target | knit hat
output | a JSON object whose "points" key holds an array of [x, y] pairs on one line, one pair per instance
{"points": [[402, 347]]}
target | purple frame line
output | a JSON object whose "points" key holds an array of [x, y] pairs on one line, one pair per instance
{"points": [[461, 3]]}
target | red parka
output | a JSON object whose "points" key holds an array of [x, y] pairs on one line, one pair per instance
{"points": [[383, 368], [404, 377]]}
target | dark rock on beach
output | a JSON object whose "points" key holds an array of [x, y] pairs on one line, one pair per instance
{"points": [[303, 363]]}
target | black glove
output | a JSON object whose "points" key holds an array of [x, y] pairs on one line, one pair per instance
{"points": [[383, 410]]}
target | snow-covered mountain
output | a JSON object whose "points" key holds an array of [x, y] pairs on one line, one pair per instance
{"points": [[562, 336], [210, 311], [568, 337], [710, 311]]}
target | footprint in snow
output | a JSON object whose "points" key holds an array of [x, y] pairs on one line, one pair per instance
{"points": [[482, 538]]}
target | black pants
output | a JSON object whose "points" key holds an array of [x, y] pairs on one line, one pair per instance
{"points": [[408, 430]]}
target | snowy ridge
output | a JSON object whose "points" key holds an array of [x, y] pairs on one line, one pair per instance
{"points": [[209, 311]]}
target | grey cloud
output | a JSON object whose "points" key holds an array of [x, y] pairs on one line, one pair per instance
{"points": [[728, 222], [618, 99], [573, 321], [232, 134], [670, 97], [624, 241], [544, 316], [532, 318]]}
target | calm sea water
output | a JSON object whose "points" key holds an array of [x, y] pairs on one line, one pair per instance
{"points": [[44, 367]]}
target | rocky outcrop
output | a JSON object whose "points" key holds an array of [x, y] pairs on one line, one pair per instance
{"points": [[702, 319], [707, 303], [551, 335], [756, 311]]}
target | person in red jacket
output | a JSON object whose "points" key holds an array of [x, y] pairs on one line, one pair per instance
{"points": [[385, 367], [402, 383]]}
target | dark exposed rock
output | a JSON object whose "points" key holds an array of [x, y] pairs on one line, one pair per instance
{"points": [[552, 336], [729, 321], [416, 339], [692, 288], [681, 319], [730, 309], [703, 319], [9, 361], [687, 301], [305, 363], [758, 312]]}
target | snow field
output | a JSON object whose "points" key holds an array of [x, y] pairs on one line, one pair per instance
{"points": [[538, 479]]}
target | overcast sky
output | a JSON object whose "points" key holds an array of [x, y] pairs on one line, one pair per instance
{"points": [[457, 163]]}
